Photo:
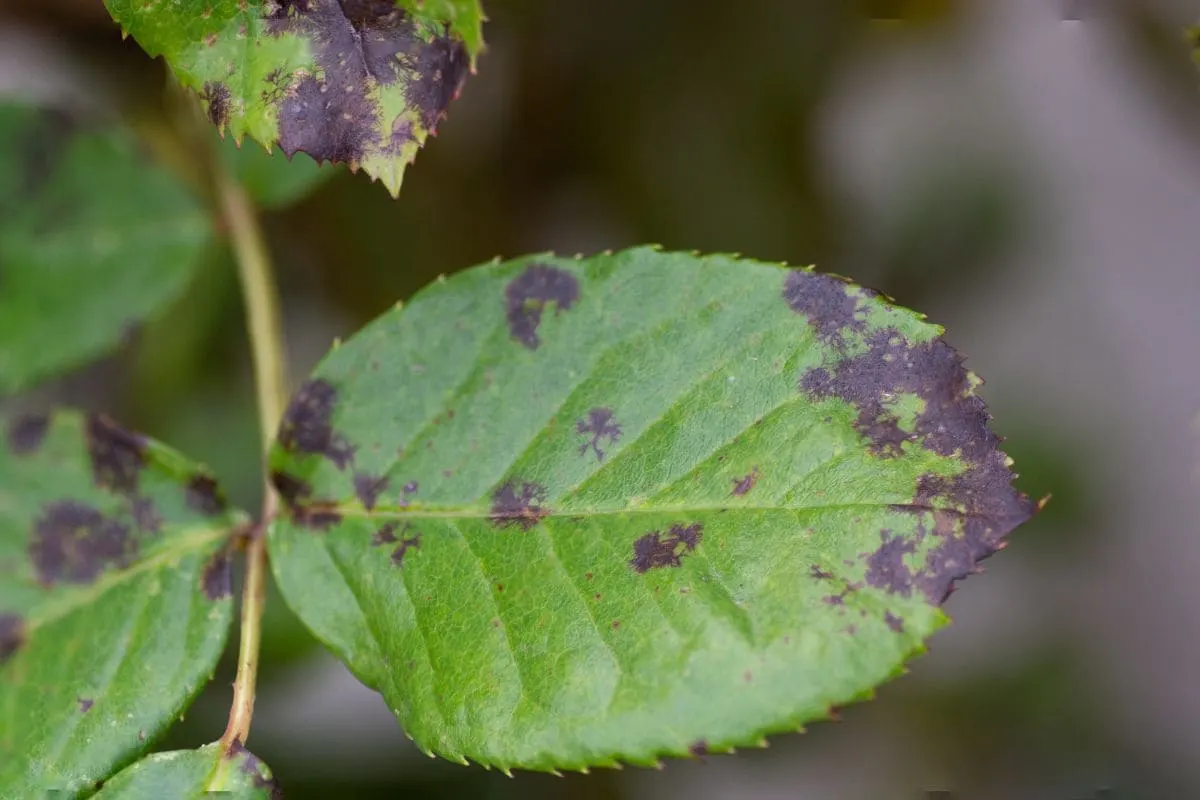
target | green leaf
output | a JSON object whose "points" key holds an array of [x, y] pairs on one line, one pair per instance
{"points": [[114, 596], [564, 513], [93, 239], [362, 83], [187, 774]]}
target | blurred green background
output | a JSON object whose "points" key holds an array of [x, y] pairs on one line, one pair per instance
{"points": [[1026, 171]]}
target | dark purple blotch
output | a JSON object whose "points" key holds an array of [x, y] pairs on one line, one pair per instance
{"points": [[27, 432], [597, 426], [528, 294], [368, 488], [217, 578], [826, 303], [117, 456], [307, 425], [204, 496], [654, 549], [519, 503], [12, 635], [73, 543]]}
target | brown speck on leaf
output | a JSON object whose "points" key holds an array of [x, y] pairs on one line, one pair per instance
{"points": [[894, 622], [743, 485], [117, 455], [73, 543], [824, 300], [820, 574], [217, 578], [85, 704], [12, 635], [529, 293], [408, 543], [698, 748], [598, 425], [204, 496], [307, 425], [385, 535], [217, 103], [970, 514], [518, 503], [655, 550], [27, 432], [368, 488]]}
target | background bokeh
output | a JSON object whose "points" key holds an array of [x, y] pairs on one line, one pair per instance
{"points": [[1025, 171]]}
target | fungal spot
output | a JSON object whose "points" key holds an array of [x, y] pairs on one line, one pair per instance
{"points": [[368, 488], [655, 550], [85, 704], [385, 535], [359, 45], [820, 574], [12, 635], [402, 549], [74, 543], [291, 489], [698, 748], [317, 517], [519, 503], [827, 303], [307, 426], [971, 513], [216, 102], [528, 295], [742, 486], [117, 455], [204, 496], [894, 622], [616, 623], [411, 487], [598, 425], [886, 568], [26, 433], [254, 769], [217, 578], [145, 515]]}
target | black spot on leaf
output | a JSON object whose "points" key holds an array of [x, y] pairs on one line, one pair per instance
{"points": [[217, 578], [529, 293], [85, 704], [598, 425], [291, 489], [743, 485], [26, 433], [368, 488], [820, 574], [825, 302], [204, 496], [358, 45], [73, 543], [387, 535], [145, 514], [12, 635], [318, 516], [117, 455], [886, 568], [519, 503], [971, 513], [654, 549], [411, 487], [894, 622], [698, 748], [406, 544], [307, 425], [253, 768], [216, 102]]}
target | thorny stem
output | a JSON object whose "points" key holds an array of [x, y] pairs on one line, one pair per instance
{"points": [[266, 341]]}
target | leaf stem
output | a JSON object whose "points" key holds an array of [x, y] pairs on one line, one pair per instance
{"points": [[266, 340]]}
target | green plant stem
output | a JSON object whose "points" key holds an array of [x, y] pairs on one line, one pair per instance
{"points": [[266, 341]]}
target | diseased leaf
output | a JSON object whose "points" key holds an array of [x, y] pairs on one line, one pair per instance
{"points": [[114, 596], [93, 239], [564, 513], [360, 82], [187, 774]]}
